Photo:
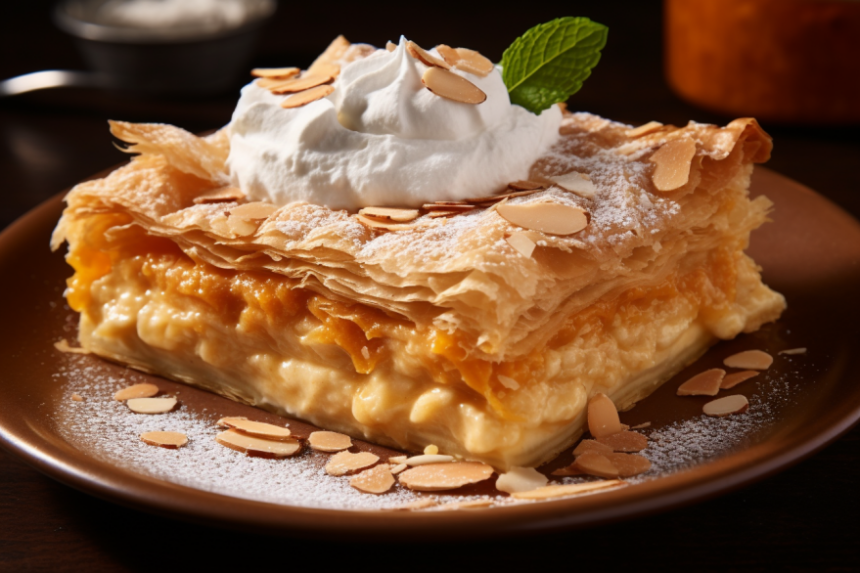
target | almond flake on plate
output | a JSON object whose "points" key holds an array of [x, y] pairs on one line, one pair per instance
{"points": [[545, 216], [520, 479], [749, 360], [425, 57], [257, 447], [427, 459], [63, 346], [258, 429], [624, 441], [390, 214], [705, 383], [78, 398], [554, 491], [596, 465], [602, 416], [151, 405], [629, 465], [306, 97], [732, 380], [570, 470], [169, 440], [220, 195], [279, 73], [673, 161], [591, 446], [792, 351], [577, 183], [727, 406], [438, 477], [329, 441], [375, 480], [451, 86], [145, 390], [343, 463], [418, 504], [398, 468], [469, 504]]}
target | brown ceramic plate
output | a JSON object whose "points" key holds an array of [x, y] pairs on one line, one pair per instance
{"points": [[811, 253]]}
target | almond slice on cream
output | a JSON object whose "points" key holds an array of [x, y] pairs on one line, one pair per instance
{"points": [[390, 214], [473, 62], [258, 429], [673, 161], [448, 54], [425, 57], [520, 479], [451, 86], [169, 440], [577, 183], [727, 406], [705, 383], [257, 447], [602, 416], [151, 405], [278, 73], [343, 463], [304, 82], [329, 441], [546, 217], [624, 441], [375, 480], [145, 390], [732, 380], [306, 97], [444, 476], [333, 52], [554, 491], [390, 46], [749, 360]]}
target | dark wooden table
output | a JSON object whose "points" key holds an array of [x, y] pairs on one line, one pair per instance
{"points": [[803, 518]]}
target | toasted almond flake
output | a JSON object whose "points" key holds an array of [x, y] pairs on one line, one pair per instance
{"points": [[255, 211], [520, 479], [629, 465], [448, 54], [577, 183], [793, 351], [63, 346], [145, 390], [343, 463], [427, 459], [451, 86], [503, 196], [329, 69], [389, 214], [306, 97], [425, 57], [554, 491], [397, 459], [546, 217], [241, 227], [304, 82], [151, 405], [732, 380], [378, 225], [441, 214], [727, 406], [602, 416], [645, 129], [398, 468], [472, 62], [329, 441], [470, 504], [257, 447], [418, 504], [570, 470], [705, 383], [673, 162], [508, 382], [625, 441], [438, 477], [169, 440], [431, 450], [749, 360], [447, 206], [596, 465], [332, 54], [77, 398], [258, 429], [390, 46], [375, 480], [642, 426], [228, 421], [525, 185], [269, 83], [279, 73], [521, 243], [591, 446], [220, 195]]}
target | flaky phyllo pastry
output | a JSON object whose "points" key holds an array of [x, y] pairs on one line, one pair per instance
{"points": [[470, 332]]}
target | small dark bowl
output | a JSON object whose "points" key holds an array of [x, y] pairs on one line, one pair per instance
{"points": [[169, 61]]}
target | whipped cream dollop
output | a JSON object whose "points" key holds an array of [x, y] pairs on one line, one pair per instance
{"points": [[381, 138]]}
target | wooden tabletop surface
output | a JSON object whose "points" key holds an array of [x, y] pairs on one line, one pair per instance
{"points": [[803, 518]]}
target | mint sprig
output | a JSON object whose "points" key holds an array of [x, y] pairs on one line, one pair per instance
{"points": [[548, 63]]}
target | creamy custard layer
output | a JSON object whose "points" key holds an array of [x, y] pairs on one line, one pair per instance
{"points": [[261, 338]]}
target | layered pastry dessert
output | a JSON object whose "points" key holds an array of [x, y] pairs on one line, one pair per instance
{"points": [[382, 249]]}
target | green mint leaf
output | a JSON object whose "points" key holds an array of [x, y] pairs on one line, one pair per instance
{"points": [[548, 63]]}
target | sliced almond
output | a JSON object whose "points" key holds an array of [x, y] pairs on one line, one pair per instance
{"points": [[257, 447], [727, 406], [570, 470], [375, 480], [792, 351], [520, 479], [546, 217], [596, 465], [343, 463], [220, 195], [397, 459], [228, 421], [398, 468], [258, 429], [555, 491], [451, 86], [749, 360], [525, 185], [577, 183], [425, 57], [63, 346], [438, 477], [473, 62], [78, 398], [151, 405], [428, 459], [625, 441], [673, 161], [329, 441], [255, 211], [278, 73], [521, 243], [390, 46], [629, 465], [470, 504], [447, 206], [304, 82], [441, 214], [602, 416], [645, 129], [705, 383], [732, 380], [431, 450], [389, 214], [144, 390], [422, 503], [448, 54], [241, 227], [306, 97], [332, 54], [592, 446], [169, 440], [509, 195], [643, 425], [379, 225]]}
